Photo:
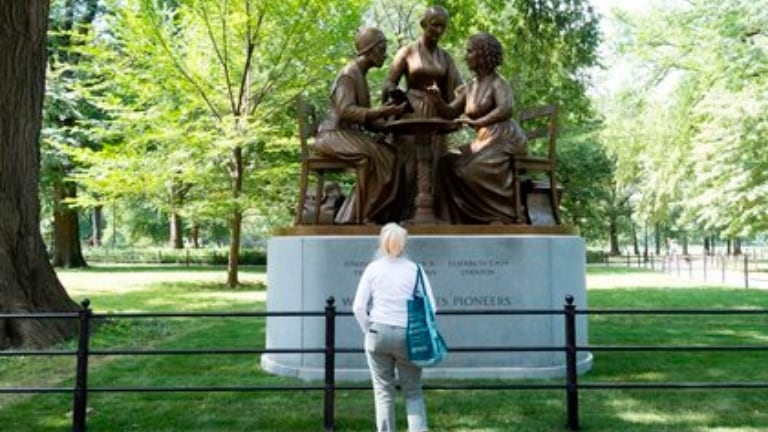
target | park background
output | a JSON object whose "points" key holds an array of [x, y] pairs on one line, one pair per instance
{"points": [[169, 136], [171, 123]]}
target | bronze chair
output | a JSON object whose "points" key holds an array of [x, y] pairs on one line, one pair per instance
{"points": [[318, 164], [525, 165]]}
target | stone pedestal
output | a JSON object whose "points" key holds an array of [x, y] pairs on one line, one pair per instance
{"points": [[467, 272]]}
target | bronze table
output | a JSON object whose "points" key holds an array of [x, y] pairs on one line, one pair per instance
{"points": [[424, 130]]}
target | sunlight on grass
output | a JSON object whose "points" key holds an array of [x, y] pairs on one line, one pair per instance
{"points": [[650, 376], [729, 429], [635, 411], [642, 280], [749, 336], [61, 422], [654, 417], [227, 297], [83, 282]]}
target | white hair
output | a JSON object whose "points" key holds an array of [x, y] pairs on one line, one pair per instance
{"points": [[392, 240]]}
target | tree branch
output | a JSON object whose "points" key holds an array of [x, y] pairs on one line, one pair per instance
{"points": [[222, 57], [175, 61]]}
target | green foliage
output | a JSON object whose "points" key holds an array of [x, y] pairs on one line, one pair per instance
{"points": [[688, 130], [196, 93], [549, 47], [179, 89], [586, 174], [206, 256]]}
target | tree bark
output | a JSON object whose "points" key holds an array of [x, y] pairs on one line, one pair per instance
{"points": [[28, 282], [635, 242], [237, 218], [67, 251], [96, 226], [177, 232], [194, 236], [78, 17], [613, 234]]}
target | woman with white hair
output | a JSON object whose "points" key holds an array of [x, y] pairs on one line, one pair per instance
{"points": [[380, 307]]}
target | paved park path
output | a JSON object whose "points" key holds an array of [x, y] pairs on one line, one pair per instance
{"points": [[695, 271]]}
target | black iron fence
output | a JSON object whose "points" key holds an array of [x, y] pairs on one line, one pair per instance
{"points": [[749, 270], [570, 385]]}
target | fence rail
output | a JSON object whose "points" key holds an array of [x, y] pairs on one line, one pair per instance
{"points": [[570, 385]]}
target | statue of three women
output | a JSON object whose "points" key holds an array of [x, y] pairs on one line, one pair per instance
{"points": [[473, 183]]}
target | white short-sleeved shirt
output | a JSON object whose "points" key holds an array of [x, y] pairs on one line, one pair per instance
{"points": [[383, 291]]}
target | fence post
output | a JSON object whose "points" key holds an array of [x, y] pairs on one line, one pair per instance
{"points": [[722, 266], [689, 259], [572, 386], [330, 365], [746, 271], [80, 400]]}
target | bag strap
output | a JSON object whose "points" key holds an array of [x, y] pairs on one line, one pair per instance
{"points": [[419, 283], [421, 290]]}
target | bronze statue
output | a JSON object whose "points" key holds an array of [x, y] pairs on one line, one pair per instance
{"points": [[423, 64], [475, 181], [345, 133]]}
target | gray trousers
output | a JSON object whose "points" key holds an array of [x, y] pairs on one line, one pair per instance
{"points": [[386, 352]]}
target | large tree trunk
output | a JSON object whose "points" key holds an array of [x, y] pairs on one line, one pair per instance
{"points": [[28, 282]]}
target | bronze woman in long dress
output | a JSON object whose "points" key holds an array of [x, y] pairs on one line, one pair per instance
{"points": [[344, 133], [423, 64], [476, 181]]}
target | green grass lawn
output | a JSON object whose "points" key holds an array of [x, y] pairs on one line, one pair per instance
{"points": [[201, 289]]}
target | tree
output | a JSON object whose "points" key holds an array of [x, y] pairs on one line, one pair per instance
{"points": [[586, 174], [71, 20], [27, 280], [699, 122], [199, 94]]}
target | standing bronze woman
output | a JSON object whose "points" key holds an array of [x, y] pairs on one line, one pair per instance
{"points": [[345, 133], [423, 64], [476, 181]]}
